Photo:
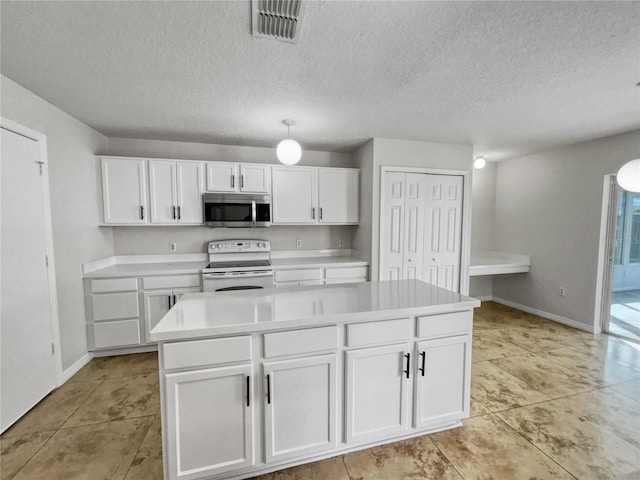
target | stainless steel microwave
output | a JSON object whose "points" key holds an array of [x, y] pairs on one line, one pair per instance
{"points": [[236, 210]]}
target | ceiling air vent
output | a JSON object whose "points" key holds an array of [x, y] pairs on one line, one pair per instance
{"points": [[278, 19]]}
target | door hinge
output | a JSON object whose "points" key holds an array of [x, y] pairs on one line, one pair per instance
{"points": [[53, 349], [40, 164]]}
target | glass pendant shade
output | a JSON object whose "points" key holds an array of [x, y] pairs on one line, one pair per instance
{"points": [[628, 176], [289, 151]]}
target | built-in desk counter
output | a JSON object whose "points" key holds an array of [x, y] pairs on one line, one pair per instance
{"points": [[260, 380], [498, 263]]}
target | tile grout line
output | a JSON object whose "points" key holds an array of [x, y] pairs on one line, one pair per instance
{"points": [[139, 447], [56, 430], [445, 456], [535, 446]]}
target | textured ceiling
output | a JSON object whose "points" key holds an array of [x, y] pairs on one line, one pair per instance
{"points": [[510, 78]]}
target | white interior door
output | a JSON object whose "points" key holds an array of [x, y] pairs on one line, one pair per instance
{"points": [[392, 226], [26, 336], [421, 228], [443, 231]]}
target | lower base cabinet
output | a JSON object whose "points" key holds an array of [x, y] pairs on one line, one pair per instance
{"points": [[300, 407], [249, 404], [442, 380], [377, 393], [209, 421]]}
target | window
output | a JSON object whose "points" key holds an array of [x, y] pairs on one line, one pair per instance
{"points": [[628, 229]]}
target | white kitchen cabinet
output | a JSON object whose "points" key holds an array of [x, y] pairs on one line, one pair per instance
{"points": [[158, 302], [176, 191], [113, 313], [315, 196], [377, 389], [209, 417], [294, 195], [300, 407], [124, 191], [234, 178], [442, 380], [338, 195]]}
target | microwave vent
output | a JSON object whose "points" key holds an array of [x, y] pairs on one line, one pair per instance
{"points": [[277, 19]]}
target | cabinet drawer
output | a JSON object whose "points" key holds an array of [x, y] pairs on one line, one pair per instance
{"points": [[345, 280], [386, 331], [298, 275], [114, 285], [445, 324], [300, 341], [112, 306], [116, 334], [171, 281], [212, 351], [350, 272]]}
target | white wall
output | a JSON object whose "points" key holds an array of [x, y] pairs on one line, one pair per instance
{"points": [[405, 153], [75, 204], [548, 205], [155, 240], [361, 240], [483, 199]]}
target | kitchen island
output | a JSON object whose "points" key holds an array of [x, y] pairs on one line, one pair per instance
{"points": [[260, 380]]}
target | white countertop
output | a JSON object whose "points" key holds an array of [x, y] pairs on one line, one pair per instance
{"points": [[142, 269], [316, 262], [224, 313], [495, 263]]}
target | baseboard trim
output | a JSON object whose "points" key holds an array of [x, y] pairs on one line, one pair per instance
{"points": [[484, 298], [549, 316], [76, 366]]}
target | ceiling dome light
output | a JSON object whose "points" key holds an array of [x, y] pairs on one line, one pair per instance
{"points": [[479, 163], [288, 150], [628, 176]]}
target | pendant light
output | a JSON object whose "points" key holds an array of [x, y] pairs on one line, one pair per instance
{"points": [[628, 176], [288, 150]]}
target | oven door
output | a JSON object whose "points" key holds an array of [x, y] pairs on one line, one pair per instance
{"points": [[227, 281], [237, 210]]}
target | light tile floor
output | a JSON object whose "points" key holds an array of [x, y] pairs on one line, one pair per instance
{"points": [[548, 402]]}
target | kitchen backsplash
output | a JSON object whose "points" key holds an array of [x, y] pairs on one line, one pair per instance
{"points": [[194, 239]]}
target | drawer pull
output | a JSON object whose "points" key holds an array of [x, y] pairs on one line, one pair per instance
{"points": [[408, 357], [424, 356], [269, 389]]}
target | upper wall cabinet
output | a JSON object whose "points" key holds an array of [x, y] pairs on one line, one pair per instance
{"points": [[235, 178], [175, 190], [315, 196], [124, 191]]}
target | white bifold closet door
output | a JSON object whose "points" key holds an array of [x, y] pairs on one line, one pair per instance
{"points": [[421, 228]]}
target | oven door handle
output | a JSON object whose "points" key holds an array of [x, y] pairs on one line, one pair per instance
{"points": [[216, 276], [253, 212]]}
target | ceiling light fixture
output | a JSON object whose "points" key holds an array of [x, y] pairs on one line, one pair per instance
{"points": [[479, 163], [288, 150], [628, 177]]}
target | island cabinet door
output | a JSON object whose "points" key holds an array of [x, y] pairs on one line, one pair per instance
{"points": [[300, 407], [442, 381], [377, 392], [209, 421]]}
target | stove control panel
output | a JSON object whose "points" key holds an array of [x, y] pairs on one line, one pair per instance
{"points": [[239, 246]]}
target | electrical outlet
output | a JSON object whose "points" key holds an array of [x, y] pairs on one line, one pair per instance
{"points": [[298, 243], [341, 243], [562, 292], [173, 247]]}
